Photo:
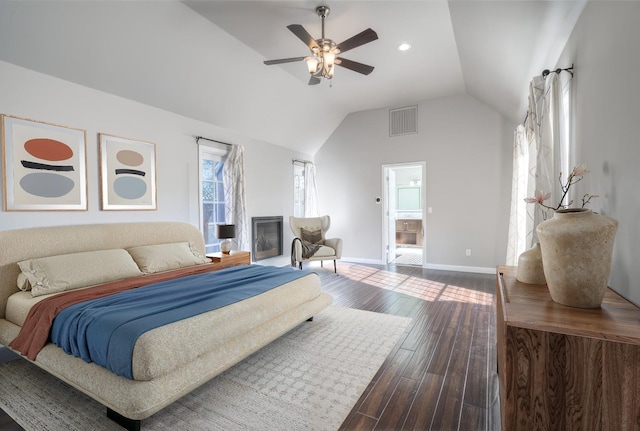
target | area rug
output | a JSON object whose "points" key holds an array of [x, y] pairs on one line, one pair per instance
{"points": [[309, 379]]}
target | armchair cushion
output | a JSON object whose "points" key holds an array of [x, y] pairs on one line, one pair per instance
{"points": [[325, 252], [314, 237]]}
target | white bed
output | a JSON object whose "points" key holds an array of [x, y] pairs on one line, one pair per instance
{"points": [[167, 363]]}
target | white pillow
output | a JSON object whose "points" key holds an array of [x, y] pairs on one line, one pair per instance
{"points": [[71, 271], [23, 282], [164, 257]]}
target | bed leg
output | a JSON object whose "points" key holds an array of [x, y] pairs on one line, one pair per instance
{"points": [[126, 423]]}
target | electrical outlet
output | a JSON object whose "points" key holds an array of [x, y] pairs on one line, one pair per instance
{"points": [[468, 252]]}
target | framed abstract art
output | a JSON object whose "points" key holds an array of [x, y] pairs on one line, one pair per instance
{"points": [[127, 173], [44, 166]]}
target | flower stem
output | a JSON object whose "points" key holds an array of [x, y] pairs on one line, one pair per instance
{"points": [[565, 189]]}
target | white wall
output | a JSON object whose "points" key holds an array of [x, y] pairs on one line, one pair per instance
{"points": [[604, 50], [467, 149], [459, 138], [44, 98]]}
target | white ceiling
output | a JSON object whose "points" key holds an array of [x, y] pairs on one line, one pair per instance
{"points": [[203, 59]]}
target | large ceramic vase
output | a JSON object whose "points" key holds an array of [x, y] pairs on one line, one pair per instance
{"points": [[577, 246], [530, 269]]}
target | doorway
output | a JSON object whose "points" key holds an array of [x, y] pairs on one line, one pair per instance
{"points": [[404, 215]]}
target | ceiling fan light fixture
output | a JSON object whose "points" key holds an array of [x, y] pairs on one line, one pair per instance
{"points": [[328, 64], [313, 63], [404, 46], [328, 72]]}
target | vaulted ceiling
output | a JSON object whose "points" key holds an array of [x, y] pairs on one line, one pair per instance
{"points": [[204, 59]]}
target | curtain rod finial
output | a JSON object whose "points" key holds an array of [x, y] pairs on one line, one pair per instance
{"points": [[558, 71]]}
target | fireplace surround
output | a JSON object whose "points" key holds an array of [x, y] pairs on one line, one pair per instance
{"points": [[266, 237]]}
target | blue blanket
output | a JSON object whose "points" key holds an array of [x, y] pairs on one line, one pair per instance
{"points": [[105, 330]]}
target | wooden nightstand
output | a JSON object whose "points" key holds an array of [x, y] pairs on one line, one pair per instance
{"points": [[221, 260]]}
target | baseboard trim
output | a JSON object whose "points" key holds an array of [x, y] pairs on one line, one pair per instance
{"points": [[457, 268], [365, 261]]}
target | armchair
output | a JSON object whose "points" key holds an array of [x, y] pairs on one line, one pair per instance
{"points": [[311, 242]]}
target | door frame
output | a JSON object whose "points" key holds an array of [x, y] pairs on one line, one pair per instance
{"points": [[388, 222], [389, 203]]}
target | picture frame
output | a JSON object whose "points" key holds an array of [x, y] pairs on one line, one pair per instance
{"points": [[44, 166], [127, 173]]}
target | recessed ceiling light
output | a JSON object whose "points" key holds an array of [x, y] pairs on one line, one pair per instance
{"points": [[404, 46]]}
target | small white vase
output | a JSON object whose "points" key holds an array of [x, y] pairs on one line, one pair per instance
{"points": [[530, 268], [577, 247]]}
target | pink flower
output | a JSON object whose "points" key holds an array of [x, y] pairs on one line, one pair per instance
{"points": [[579, 171], [540, 196], [576, 175]]}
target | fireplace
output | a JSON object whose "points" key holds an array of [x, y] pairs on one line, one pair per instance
{"points": [[266, 237]]}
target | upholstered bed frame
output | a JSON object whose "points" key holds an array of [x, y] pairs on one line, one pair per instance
{"points": [[130, 401]]}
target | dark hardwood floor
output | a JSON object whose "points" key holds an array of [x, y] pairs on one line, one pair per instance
{"points": [[441, 375]]}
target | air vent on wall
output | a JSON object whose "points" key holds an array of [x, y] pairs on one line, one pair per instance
{"points": [[403, 121]]}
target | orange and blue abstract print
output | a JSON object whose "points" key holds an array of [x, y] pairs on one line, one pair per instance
{"points": [[128, 173], [43, 182], [44, 166]]}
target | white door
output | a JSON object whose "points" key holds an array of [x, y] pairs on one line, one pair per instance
{"points": [[389, 213]]}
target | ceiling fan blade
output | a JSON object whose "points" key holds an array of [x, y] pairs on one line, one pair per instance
{"points": [[303, 35], [314, 80], [354, 65], [283, 60], [361, 38]]}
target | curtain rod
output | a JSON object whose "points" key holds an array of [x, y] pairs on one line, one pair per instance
{"points": [[301, 161], [212, 140], [544, 75], [547, 71]]}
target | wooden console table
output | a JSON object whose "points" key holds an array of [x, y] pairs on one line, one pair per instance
{"points": [[235, 258], [565, 368]]}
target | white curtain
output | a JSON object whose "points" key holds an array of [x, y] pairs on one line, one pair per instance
{"points": [[234, 194], [538, 146], [310, 191], [550, 139], [517, 221]]}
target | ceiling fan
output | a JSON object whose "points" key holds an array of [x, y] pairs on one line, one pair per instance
{"points": [[324, 52]]}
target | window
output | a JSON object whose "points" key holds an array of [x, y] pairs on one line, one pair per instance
{"points": [[298, 189], [212, 202], [305, 191]]}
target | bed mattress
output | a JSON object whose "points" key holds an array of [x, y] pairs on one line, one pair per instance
{"points": [[195, 336]]}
